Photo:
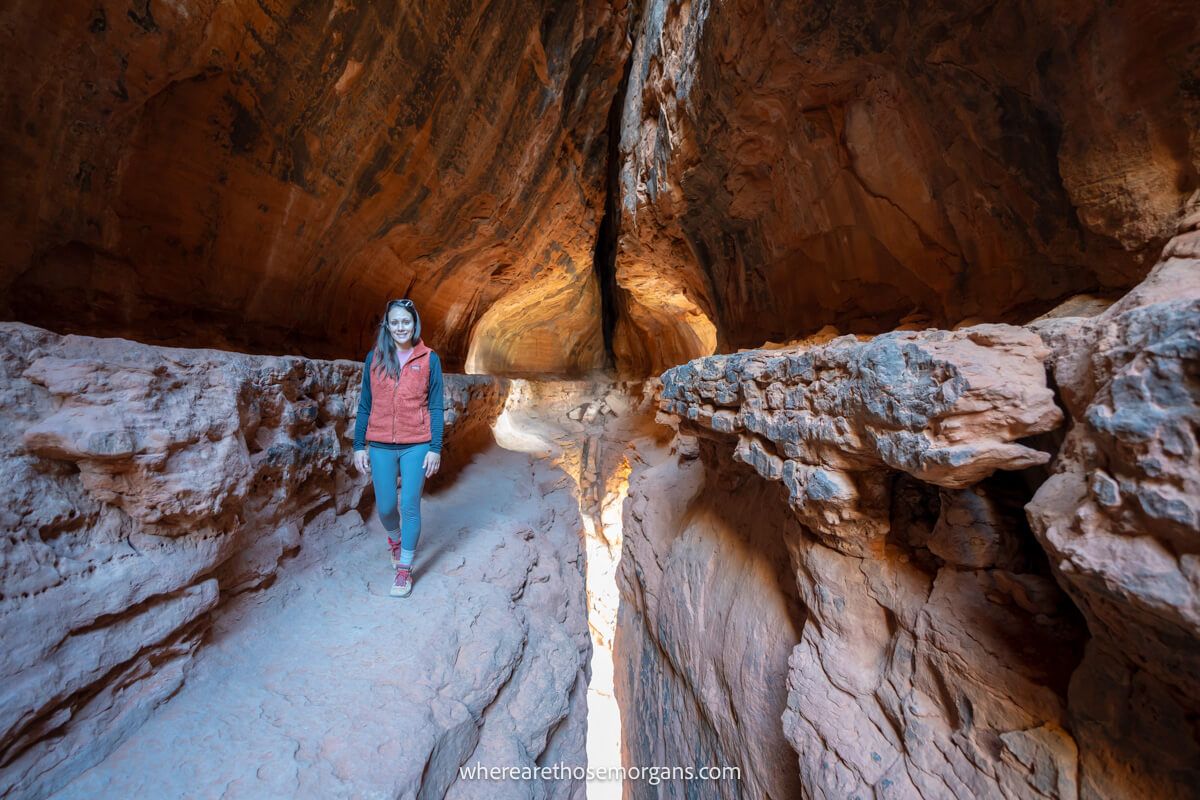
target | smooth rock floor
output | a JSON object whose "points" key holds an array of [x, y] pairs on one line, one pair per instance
{"points": [[322, 685]]}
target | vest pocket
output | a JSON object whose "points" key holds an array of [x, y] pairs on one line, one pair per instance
{"points": [[412, 385]]}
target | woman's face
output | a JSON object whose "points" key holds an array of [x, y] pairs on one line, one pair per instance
{"points": [[400, 324]]}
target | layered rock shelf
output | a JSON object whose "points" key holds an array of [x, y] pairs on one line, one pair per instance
{"points": [[942, 629], [834, 422]]}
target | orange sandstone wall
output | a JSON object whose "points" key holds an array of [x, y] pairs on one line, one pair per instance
{"points": [[264, 175]]}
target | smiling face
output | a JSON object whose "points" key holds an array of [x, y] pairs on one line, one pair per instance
{"points": [[400, 323]]}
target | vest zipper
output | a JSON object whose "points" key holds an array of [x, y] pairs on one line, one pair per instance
{"points": [[395, 391]]}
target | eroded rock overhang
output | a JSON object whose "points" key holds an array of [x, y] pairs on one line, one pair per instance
{"points": [[976, 616], [262, 178]]}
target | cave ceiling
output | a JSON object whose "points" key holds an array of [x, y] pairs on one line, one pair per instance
{"points": [[565, 187]]}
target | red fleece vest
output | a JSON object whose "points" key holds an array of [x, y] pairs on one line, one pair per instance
{"points": [[400, 408]]}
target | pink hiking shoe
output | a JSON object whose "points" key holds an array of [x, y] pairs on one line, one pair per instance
{"points": [[395, 548], [404, 582]]}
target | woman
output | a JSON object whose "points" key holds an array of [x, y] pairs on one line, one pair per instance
{"points": [[400, 418]]}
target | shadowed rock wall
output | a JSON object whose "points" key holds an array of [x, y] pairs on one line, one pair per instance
{"points": [[264, 176], [709, 614], [788, 165]]}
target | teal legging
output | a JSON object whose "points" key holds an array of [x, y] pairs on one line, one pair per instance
{"points": [[409, 463]]}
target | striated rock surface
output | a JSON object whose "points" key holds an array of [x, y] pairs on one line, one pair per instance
{"points": [[928, 649], [139, 482], [709, 613], [788, 165], [1120, 520], [148, 489], [264, 175]]}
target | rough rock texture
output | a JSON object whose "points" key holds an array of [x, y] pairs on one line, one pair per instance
{"points": [[141, 486], [263, 175], [1120, 519], [928, 648], [788, 165], [938, 654], [833, 422]]}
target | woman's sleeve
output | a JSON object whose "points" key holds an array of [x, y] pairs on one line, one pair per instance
{"points": [[437, 403], [364, 407]]}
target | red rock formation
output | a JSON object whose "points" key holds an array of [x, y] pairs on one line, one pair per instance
{"points": [[933, 648], [937, 652], [146, 489], [829, 569], [786, 166], [265, 175], [1120, 519]]}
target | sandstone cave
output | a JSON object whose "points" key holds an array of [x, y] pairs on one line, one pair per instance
{"points": [[822, 398]]}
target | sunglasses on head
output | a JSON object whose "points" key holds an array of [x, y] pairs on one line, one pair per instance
{"points": [[405, 303]]}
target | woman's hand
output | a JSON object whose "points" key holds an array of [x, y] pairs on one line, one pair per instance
{"points": [[433, 462], [361, 462]]}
